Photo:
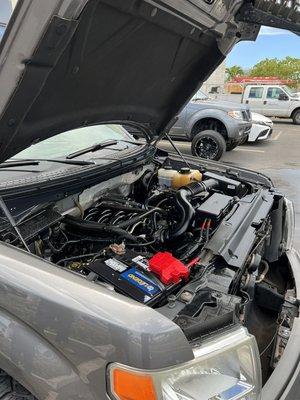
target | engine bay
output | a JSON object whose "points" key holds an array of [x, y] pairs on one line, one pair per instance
{"points": [[198, 246], [147, 244], [147, 249]]}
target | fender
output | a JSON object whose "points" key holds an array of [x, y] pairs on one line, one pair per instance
{"points": [[284, 381], [295, 108], [208, 113], [34, 363], [65, 330]]}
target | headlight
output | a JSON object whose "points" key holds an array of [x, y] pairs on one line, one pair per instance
{"points": [[235, 114], [289, 225], [263, 123], [226, 367]]}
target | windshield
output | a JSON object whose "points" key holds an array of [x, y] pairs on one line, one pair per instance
{"points": [[63, 144], [289, 91]]}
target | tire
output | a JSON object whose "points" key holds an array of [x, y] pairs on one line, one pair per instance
{"points": [[10, 389], [208, 144], [231, 146], [244, 140], [296, 117]]}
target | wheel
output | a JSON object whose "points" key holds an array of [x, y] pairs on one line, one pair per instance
{"points": [[232, 145], [296, 117], [12, 390], [208, 144]]}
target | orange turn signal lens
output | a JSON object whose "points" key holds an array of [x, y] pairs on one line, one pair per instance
{"points": [[127, 385]]}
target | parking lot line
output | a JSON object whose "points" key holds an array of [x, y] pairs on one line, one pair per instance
{"points": [[249, 150], [277, 136]]}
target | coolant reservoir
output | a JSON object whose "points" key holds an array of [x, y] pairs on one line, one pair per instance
{"points": [[166, 175], [185, 176]]}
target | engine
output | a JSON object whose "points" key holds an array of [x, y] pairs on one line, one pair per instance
{"points": [[150, 243]]}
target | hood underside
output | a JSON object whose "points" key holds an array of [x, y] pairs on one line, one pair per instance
{"points": [[107, 60]]}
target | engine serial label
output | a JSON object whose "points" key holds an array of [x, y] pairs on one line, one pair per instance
{"points": [[137, 279]]}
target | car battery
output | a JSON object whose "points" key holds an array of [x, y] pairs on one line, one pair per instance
{"points": [[129, 275]]}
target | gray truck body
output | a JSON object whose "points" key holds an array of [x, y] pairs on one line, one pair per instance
{"points": [[60, 332], [199, 112]]}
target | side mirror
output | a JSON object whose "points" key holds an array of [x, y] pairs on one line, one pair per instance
{"points": [[283, 97]]}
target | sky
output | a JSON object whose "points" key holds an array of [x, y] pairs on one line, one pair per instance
{"points": [[270, 43]]}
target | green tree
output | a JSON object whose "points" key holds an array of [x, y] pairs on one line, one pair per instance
{"points": [[234, 71], [287, 68]]}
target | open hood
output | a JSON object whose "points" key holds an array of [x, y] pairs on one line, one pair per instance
{"points": [[69, 63]]}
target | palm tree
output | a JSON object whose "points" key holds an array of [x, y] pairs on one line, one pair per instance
{"points": [[234, 71]]}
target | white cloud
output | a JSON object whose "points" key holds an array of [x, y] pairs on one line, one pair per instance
{"points": [[266, 30]]}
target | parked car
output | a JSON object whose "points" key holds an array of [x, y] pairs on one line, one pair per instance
{"points": [[273, 101], [262, 128], [126, 272], [213, 126]]}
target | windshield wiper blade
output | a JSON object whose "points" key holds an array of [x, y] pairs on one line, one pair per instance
{"points": [[91, 149], [24, 163], [18, 163], [70, 162]]}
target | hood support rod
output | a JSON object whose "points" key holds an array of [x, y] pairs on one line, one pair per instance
{"points": [[13, 223], [168, 137]]}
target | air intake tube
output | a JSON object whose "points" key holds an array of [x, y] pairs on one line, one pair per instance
{"points": [[182, 200]]}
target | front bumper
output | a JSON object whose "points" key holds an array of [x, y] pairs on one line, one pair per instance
{"points": [[244, 129], [260, 132], [284, 383], [265, 134]]}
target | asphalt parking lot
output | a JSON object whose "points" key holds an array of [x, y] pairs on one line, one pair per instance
{"points": [[277, 157]]}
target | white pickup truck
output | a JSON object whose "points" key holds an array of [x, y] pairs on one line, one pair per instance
{"points": [[273, 101]]}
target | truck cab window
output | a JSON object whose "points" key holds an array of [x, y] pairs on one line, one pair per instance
{"points": [[256, 93], [274, 93]]}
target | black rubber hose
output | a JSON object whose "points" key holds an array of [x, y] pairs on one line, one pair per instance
{"points": [[185, 207], [92, 226], [187, 213], [200, 187]]}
